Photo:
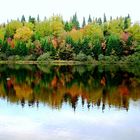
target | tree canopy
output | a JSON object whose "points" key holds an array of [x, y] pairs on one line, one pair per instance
{"points": [[90, 40]]}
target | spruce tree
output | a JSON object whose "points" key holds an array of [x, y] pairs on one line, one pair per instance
{"points": [[105, 20], [99, 21], [89, 19], [127, 22], [38, 18], [23, 18], [110, 18], [32, 19], [84, 22], [75, 22]]}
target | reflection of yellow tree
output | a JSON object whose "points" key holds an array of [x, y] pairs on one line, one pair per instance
{"points": [[23, 91]]}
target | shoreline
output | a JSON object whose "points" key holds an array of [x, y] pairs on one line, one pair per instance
{"points": [[63, 62]]}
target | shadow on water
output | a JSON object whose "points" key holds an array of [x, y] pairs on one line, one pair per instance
{"points": [[99, 86]]}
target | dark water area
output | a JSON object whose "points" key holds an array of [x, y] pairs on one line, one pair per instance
{"points": [[69, 102]]}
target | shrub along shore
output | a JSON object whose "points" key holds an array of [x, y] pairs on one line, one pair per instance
{"points": [[56, 41]]}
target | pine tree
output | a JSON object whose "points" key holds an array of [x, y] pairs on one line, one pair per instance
{"points": [[38, 18], [32, 19], [84, 22], [128, 16], [96, 20], [127, 22], [89, 19], [99, 21], [23, 18], [18, 19], [45, 18], [75, 22], [110, 18], [105, 20]]}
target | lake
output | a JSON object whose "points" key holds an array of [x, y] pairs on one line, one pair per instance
{"points": [[86, 102]]}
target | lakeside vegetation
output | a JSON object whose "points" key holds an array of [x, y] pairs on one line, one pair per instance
{"points": [[56, 40]]}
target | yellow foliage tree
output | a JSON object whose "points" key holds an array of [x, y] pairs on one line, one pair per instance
{"points": [[56, 25], [23, 34], [76, 34], [135, 32], [1, 35], [116, 26], [29, 25], [94, 32], [43, 28], [12, 27]]}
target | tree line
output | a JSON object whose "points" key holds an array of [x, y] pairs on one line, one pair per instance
{"points": [[55, 39]]}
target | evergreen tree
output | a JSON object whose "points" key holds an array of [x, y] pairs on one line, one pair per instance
{"points": [[99, 21], [38, 18], [23, 18], [45, 18], [105, 20], [32, 19], [75, 22], [18, 19], [110, 18], [68, 26], [128, 16], [127, 22], [113, 46], [96, 20], [84, 22], [89, 19]]}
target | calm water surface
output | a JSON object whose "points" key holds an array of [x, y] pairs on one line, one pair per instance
{"points": [[69, 102]]}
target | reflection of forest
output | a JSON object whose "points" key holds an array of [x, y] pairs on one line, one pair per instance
{"points": [[97, 86]]}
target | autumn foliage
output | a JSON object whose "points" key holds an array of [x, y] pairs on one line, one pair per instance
{"points": [[97, 40]]}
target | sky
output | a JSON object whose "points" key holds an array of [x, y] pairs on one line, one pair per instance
{"points": [[13, 9]]}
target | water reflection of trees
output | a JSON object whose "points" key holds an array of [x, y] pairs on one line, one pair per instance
{"points": [[54, 85]]}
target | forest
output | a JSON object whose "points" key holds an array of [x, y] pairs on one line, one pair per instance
{"points": [[95, 39]]}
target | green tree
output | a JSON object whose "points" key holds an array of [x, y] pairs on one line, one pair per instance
{"points": [[89, 19], [20, 48], [99, 21], [127, 22], [68, 26], [23, 19], [75, 22], [32, 20], [38, 18], [96, 50], [84, 22], [113, 46], [65, 53], [85, 46], [105, 20]]}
